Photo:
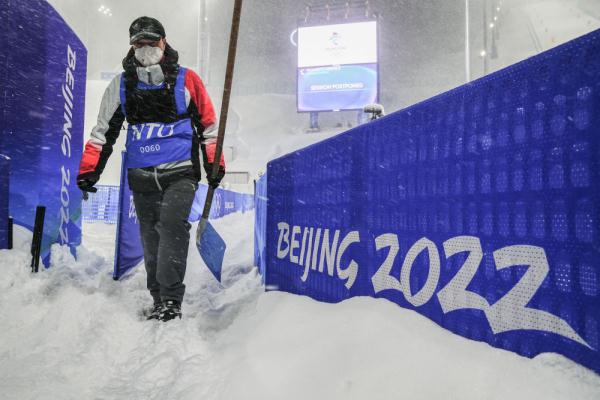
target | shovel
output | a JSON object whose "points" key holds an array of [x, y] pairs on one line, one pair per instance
{"points": [[210, 244]]}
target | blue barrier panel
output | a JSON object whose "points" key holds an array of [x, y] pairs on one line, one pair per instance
{"points": [[129, 251], [224, 203], [477, 208], [42, 96], [102, 206], [260, 225], [4, 187], [248, 202], [128, 248]]}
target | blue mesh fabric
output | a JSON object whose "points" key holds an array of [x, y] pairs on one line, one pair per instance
{"points": [[260, 225], [511, 160], [4, 182]]}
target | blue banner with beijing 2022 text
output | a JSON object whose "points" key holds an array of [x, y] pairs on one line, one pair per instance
{"points": [[478, 208], [42, 96]]}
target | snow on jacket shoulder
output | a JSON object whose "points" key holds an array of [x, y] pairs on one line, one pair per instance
{"points": [[110, 121]]}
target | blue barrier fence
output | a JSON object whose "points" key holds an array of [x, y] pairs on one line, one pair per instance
{"points": [[4, 192], [41, 123], [260, 225], [128, 246], [478, 208], [102, 206], [224, 203]]}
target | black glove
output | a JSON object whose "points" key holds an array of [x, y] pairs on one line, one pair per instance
{"points": [[86, 182], [216, 181]]}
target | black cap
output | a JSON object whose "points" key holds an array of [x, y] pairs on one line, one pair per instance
{"points": [[145, 28]]}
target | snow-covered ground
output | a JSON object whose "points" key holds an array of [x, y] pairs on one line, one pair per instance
{"points": [[71, 332]]}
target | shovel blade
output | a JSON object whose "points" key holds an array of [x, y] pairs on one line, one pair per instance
{"points": [[211, 247]]}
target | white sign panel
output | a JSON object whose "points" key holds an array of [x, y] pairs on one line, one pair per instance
{"points": [[352, 43]]}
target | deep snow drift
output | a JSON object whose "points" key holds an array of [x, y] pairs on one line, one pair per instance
{"points": [[71, 332]]}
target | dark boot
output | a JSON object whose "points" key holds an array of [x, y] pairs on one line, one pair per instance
{"points": [[154, 312], [171, 310]]}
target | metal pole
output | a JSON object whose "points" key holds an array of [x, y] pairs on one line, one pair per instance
{"points": [[485, 39], [198, 42], [202, 53], [233, 39], [496, 13], [467, 44], [206, 49], [10, 233], [494, 19], [314, 121], [38, 234]]}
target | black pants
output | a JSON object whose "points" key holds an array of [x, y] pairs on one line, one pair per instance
{"points": [[163, 202]]}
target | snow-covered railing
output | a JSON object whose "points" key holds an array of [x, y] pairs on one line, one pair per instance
{"points": [[478, 208]]}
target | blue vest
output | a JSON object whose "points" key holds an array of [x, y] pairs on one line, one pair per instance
{"points": [[157, 142]]}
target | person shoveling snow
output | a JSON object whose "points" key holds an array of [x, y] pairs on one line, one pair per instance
{"points": [[170, 116]]}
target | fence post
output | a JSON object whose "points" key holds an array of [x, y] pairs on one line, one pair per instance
{"points": [[38, 233], [10, 234], [314, 121], [5, 220]]}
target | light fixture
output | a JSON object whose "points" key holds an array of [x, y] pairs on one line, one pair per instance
{"points": [[105, 10], [482, 53], [492, 25], [495, 18]]}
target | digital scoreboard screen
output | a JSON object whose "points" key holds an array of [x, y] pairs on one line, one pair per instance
{"points": [[337, 66]]}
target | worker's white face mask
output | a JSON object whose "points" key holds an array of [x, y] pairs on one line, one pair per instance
{"points": [[149, 55]]}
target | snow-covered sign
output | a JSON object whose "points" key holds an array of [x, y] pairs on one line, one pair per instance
{"points": [[478, 209]]}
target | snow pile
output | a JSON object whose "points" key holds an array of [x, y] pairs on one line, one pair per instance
{"points": [[71, 332]]}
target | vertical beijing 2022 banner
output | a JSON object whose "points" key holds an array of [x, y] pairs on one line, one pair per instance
{"points": [[337, 66], [43, 74]]}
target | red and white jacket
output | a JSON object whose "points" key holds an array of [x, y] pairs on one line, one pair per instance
{"points": [[111, 118]]}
